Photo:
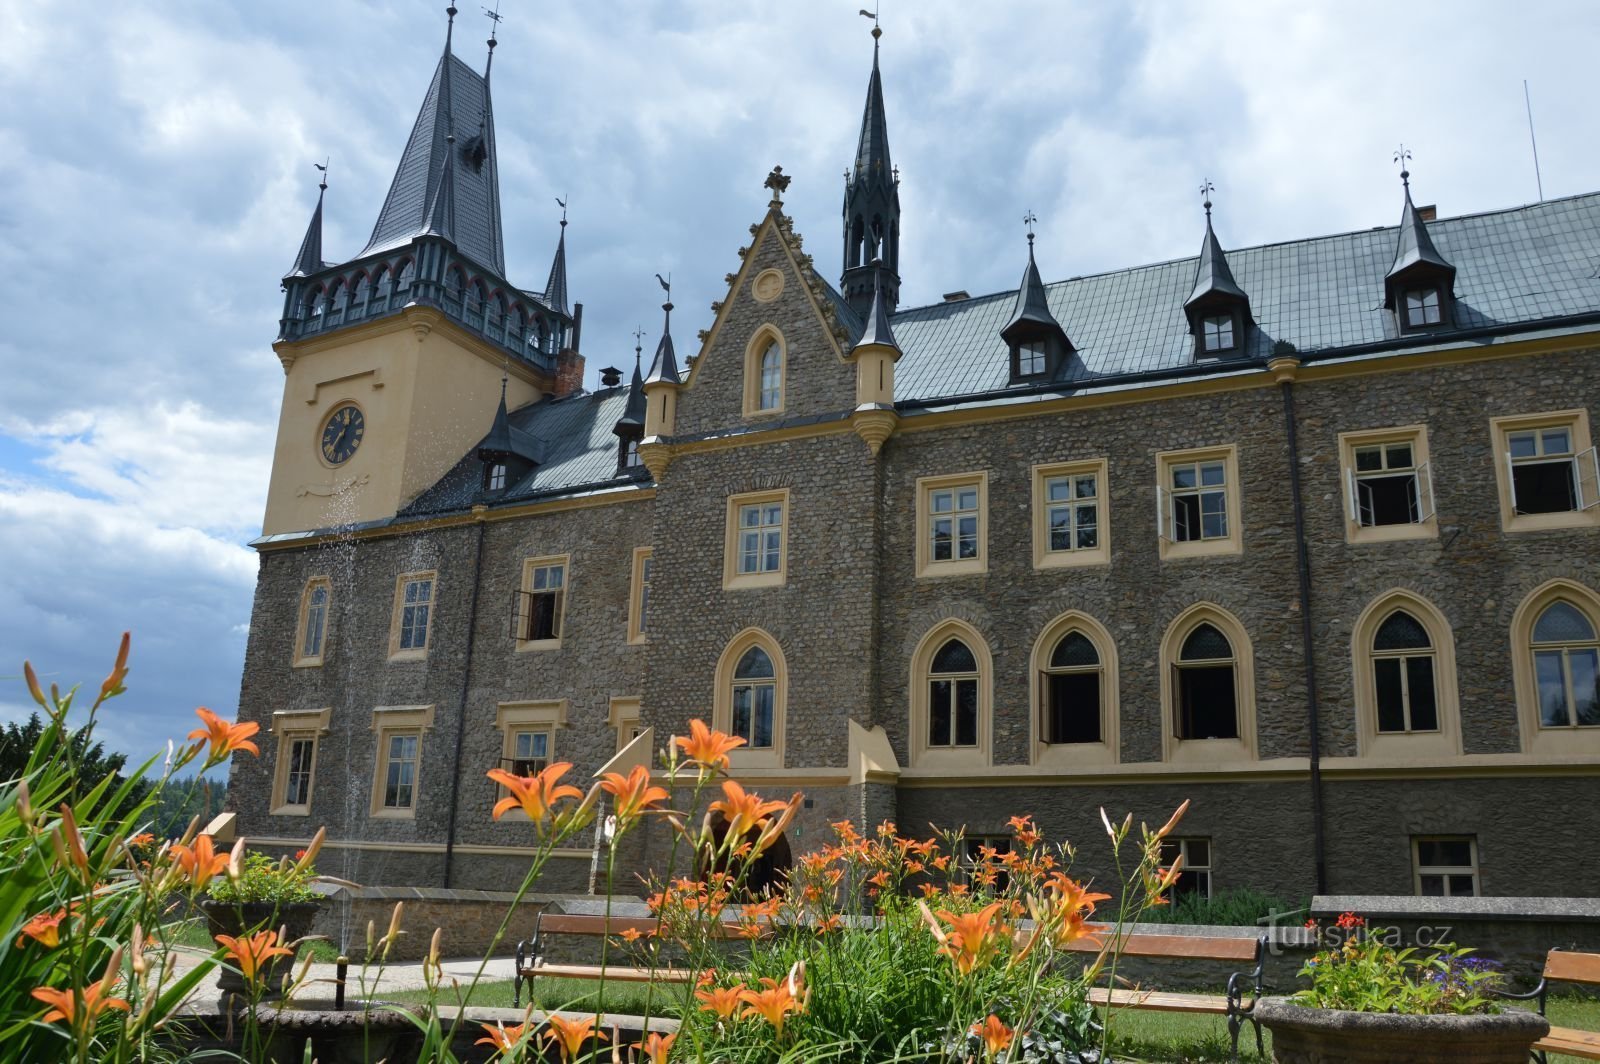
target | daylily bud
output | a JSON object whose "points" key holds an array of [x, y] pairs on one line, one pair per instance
{"points": [[372, 935], [393, 934], [24, 806], [33, 684], [235, 861], [140, 964], [310, 853], [1172, 822]]}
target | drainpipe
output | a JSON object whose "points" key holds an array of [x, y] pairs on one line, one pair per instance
{"points": [[461, 705], [1284, 364]]}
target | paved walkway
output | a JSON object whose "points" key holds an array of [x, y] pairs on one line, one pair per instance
{"points": [[394, 978]]}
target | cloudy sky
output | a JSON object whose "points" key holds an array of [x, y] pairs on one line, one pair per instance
{"points": [[155, 161]]}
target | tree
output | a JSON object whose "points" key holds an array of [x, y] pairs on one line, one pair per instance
{"points": [[93, 764]]}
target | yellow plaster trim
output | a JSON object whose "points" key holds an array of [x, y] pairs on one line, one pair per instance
{"points": [[638, 616], [871, 757], [732, 579]]}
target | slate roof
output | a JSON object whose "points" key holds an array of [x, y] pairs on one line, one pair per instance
{"points": [[457, 100], [1517, 266], [580, 451]]}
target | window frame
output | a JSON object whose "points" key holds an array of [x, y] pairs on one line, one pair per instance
{"points": [[387, 723], [1242, 749], [1370, 742], [624, 715], [1169, 547], [722, 699], [639, 579], [1577, 422], [1066, 755], [301, 659], [1566, 741], [921, 754], [513, 718], [926, 566], [1418, 869], [396, 652], [1182, 842], [288, 727], [1100, 554], [753, 355], [526, 597], [1422, 471], [1204, 349], [1422, 291], [732, 578]]}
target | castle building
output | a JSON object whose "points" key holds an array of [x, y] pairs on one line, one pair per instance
{"points": [[1307, 533]]}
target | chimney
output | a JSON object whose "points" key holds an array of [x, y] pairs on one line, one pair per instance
{"points": [[610, 377], [1428, 213], [569, 373], [956, 297]]}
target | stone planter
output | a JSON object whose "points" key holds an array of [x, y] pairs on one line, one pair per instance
{"points": [[236, 918], [1302, 1035]]}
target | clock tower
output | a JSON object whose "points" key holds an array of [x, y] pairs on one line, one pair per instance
{"points": [[394, 360]]}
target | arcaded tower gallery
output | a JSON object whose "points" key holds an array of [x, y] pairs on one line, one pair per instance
{"points": [[1307, 533]]}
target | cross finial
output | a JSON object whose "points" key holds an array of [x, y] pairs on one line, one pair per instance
{"points": [[563, 205], [638, 344], [1206, 189], [1403, 159], [1029, 220], [322, 185], [778, 182]]}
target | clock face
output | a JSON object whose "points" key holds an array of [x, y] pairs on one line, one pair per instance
{"points": [[342, 434]]}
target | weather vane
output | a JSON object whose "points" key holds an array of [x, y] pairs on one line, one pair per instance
{"points": [[638, 341], [323, 166], [876, 30], [495, 17], [666, 285], [1402, 158], [1029, 220], [1206, 189], [563, 205]]}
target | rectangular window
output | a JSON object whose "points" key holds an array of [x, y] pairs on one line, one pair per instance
{"points": [[756, 554], [497, 476], [639, 604], [1217, 333], [314, 603], [1388, 485], [953, 524], [1031, 359], [1197, 502], [302, 751], [624, 717], [413, 615], [1547, 471], [1194, 876], [539, 606], [1071, 523], [982, 862], [400, 770], [528, 739], [1422, 306], [530, 752], [1446, 866]]}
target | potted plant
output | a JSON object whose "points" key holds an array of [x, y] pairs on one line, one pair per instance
{"points": [[1373, 1002], [266, 895]]}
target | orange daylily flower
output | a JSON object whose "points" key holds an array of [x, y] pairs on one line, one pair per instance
{"points": [[82, 1007], [658, 1047], [634, 794], [570, 1035], [200, 862], [743, 810], [534, 795], [504, 1039], [251, 953], [223, 737], [630, 934], [44, 928], [974, 938], [996, 1035], [119, 672], [773, 1003], [707, 747], [722, 1000]]}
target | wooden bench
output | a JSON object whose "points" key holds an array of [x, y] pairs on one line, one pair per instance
{"points": [[531, 963], [1564, 967], [1238, 1004]]}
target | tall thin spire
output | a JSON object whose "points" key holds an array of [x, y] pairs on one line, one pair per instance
{"points": [[872, 203], [309, 260], [555, 289], [633, 413]]}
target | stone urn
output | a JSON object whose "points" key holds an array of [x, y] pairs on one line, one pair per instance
{"points": [[1305, 1035], [237, 918]]}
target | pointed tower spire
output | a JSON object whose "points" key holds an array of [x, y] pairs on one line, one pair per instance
{"points": [[633, 413], [878, 332], [419, 203], [872, 204], [555, 289], [309, 260], [1038, 342], [1417, 263], [664, 370], [1217, 308]]}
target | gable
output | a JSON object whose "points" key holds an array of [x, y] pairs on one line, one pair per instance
{"points": [[775, 296]]}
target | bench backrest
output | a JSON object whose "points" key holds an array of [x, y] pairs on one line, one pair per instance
{"points": [[560, 924], [1199, 947], [1572, 967]]}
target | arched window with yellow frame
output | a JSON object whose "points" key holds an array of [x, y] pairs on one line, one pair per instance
{"points": [[1075, 693], [765, 366], [1555, 638], [751, 698], [1208, 688], [952, 675], [1404, 673]]}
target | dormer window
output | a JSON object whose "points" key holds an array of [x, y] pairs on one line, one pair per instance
{"points": [[1031, 358], [630, 458], [1217, 334], [1422, 307], [497, 477]]}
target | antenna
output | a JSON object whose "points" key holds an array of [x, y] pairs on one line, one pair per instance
{"points": [[1528, 101]]}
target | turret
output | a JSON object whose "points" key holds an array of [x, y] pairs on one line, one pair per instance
{"points": [[872, 208]]}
